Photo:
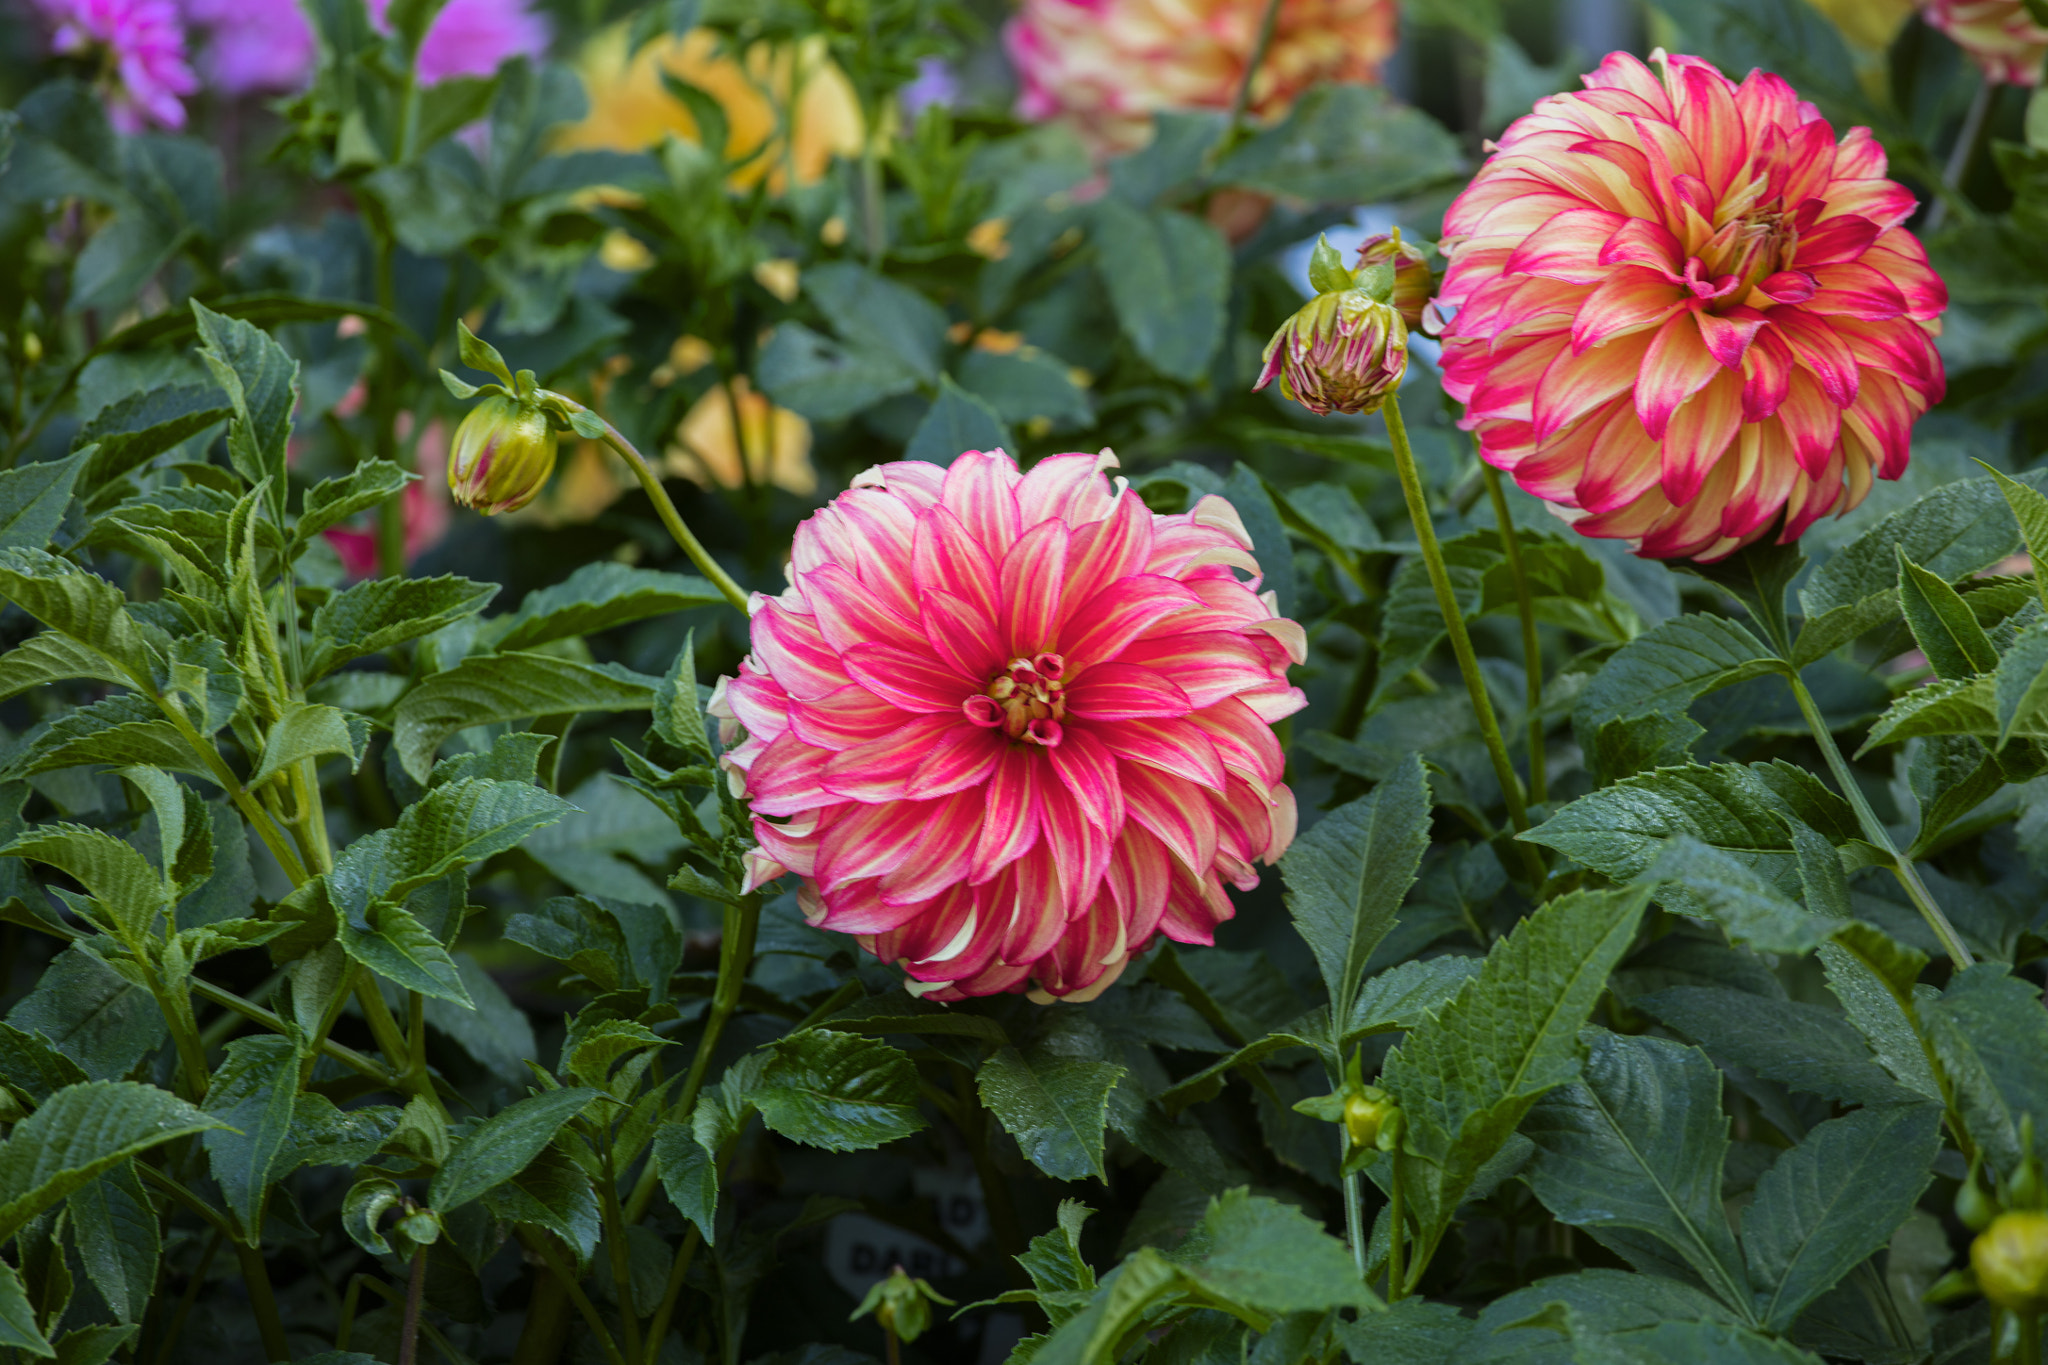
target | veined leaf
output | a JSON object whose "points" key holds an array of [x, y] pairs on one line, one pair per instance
{"points": [[133, 430], [555, 1193], [838, 1091], [464, 822], [121, 730], [396, 946], [335, 500], [251, 1094], [1667, 668], [504, 687], [118, 1241], [1991, 1034], [114, 874], [689, 1172], [77, 1134], [2019, 687], [372, 616], [1808, 1047], [1962, 706], [1467, 1076], [1832, 1200], [1167, 274], [1056, 1107], [1402, 997], [18, 1327], [82, 605], [2030, 510], [1945, 629], [33, 498], [94, 1016], [597, 597], [262, 385], [53, 657], [309, 730], [1347, 875], [1633, 1152], [501, 1146]]}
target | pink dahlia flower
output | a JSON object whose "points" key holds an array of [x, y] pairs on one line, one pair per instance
{"points": [[252, 46], [475, 37], [145, 55], [1682, 310], [1107, 66], [2000, 36], [1010, 727]]}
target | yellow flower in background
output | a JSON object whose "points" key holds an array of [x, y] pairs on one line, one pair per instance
{"points": [[630, 109], [777, 442], [1868, 24]]}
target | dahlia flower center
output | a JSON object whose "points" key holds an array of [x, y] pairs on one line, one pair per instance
{"points": [[1744, 253], [1027, 699]]}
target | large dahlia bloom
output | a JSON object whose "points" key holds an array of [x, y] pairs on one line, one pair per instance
{"points": [[144, 56], [1009, 727], [2000, 36], [1107, 66], [1682, 309]]}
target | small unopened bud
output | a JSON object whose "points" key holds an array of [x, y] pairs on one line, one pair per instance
{"points": [[1414, 282], [31, 348], [1371, 1118], [1342, 352], [503, 454], [1974, 1205], [902, 1305], [2011, 1261]]}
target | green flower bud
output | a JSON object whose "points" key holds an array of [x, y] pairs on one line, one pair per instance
{"points": [[1414, 282], [901, 1304], [504, 452], [1370, 1118], [1343, 352], [2011, 1261], [1974, 1205]]}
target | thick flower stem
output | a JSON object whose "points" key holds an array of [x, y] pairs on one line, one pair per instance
{"points": [[1874, 830], [735, 959], [1532, 648], [1354, 1215], [665, 508], [1461, 642], [1242, 101], [256, 1279], [1396, 1288], [415, 1297]]}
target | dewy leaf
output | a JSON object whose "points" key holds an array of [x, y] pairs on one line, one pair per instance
{"points": [[309, 730], [1832, 1200], [689, 1172], [838, 1091], [597, 597], [1055, 1106], [503, 687], [501, 1146], [80, 1132], [2030, 510], [1991, 1034], [1633, 1151], [1168, 275], [262, 385], [1347, 875], [1944, 628], [372, 616], [1467, 1076], [251, 1094], [1620, 830], [1667, 668], [33, 498]]}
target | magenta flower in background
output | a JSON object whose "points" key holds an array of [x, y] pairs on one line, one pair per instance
{"points": [[1010, 727], [147, 73], [473, 37], [266, 46]]}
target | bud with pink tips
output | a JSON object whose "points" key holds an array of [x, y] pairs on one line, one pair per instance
{"points": [[1347, 348]]}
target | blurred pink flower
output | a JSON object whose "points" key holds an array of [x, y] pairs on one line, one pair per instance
{"points": [[144, 46], [425, 501], [1107, 66], [1682, 310], [1010, 727], [2000, 36], [266, 45]]}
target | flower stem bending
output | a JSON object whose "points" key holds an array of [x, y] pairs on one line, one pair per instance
{"points": [[1874, 830], [1461, 642], [1532, 648]]}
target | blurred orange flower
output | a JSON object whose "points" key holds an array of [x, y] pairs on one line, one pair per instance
{"points": [[776, 442]]}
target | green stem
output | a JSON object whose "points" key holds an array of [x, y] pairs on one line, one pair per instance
{"points": [[542, 1245], [664, 507], [347, 1056], [1242, 100], [1354, 1213], [390, 1038], [1461, 642], [546, 1329], [2030, 1339], [1532, 648], [678, 1276], [415, 1296], [871, 219], [259, 820], [1962, 154], [269, 1326], [416, 1039], [1396, 1282], [176, 1327], [1874, 830], [619, 1252], [207, 1213], [735, 959]]}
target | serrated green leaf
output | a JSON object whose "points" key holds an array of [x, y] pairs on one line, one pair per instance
{"points": [[1666, 669], [364, 1207], [501, 1146], [1260, 1253], [1347, 875], [690, 1175], [79, 1133], [127, 889], [1167, 274], [598, 597], [1808, 1047], [135, 429], [1467, 1076], [505, 687], [1402, 997], [33, 498], [120, 731], [372, 616], [1633, 1151], [262, 386], [464, 822], [30, 1063], [52, 657], [1945, 629], [838, 1091], [397, 947], [82, 605], [96, 1017], [1411, 622], [251, 1094], [1698, 880], [335, 500], [1962, 706], [1991, 1035], [309, 730], [1832, 1200], [2030, 510], [118, 1240], [18, 1326], [1057, 1107], [1619, 831], [2019, 687], [552, 1192]]}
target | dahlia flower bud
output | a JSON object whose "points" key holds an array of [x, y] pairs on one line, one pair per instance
{"points": [[2005, 38], [2011, 1261], [504, 452], [1011, 727], [1343, 352], [1414, 281], [902, 1304], [1105, 67], [1685, 313], [1371, 1119]]}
